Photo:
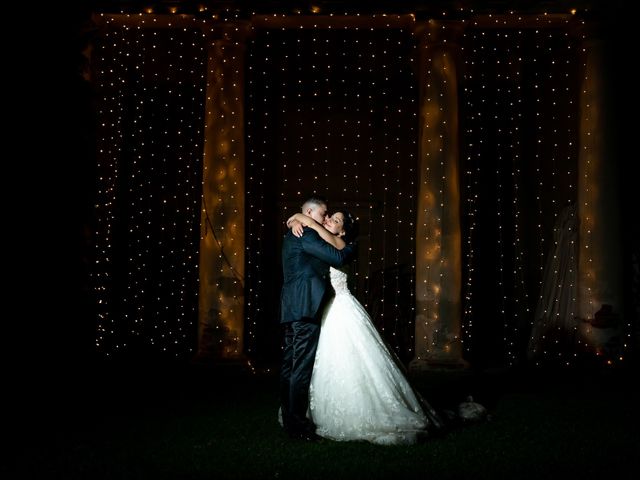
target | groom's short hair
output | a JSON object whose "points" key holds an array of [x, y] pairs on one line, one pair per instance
{"points": [[314, 201]]}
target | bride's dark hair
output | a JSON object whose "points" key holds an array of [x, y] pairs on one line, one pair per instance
{"points": [[350, 226]]}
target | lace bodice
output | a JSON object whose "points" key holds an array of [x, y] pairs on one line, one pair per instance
{"points": [[338, 281]]}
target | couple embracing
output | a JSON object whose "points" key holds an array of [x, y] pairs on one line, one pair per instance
{"points": [[338, 379]]}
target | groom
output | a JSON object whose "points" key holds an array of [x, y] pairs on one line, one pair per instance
{"points": [[306, 288]]}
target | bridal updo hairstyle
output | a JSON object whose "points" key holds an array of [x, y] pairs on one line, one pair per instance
{"points": [[350, 226]]}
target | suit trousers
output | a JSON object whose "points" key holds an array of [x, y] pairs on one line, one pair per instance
{"points": [[300, 345]]}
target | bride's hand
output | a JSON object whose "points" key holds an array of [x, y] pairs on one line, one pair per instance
{"points": [[297, 221], [296, 227]]}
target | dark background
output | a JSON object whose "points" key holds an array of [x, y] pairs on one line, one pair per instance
{"points": [[59, 330]]}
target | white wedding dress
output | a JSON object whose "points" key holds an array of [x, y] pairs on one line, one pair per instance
{"points": [[357, 391]]}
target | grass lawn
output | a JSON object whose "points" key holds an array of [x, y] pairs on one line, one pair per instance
{"points": [[216, 423]]}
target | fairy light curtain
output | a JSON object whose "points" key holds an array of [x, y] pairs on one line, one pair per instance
{"points": [[333, 111], [150, 88], [519, 125]]}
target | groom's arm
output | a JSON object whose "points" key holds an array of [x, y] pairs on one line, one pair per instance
{"points": [[314, 245]]}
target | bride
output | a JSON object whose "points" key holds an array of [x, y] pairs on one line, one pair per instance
{"points": [[358, 390]]}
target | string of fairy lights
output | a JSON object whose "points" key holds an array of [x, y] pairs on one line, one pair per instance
{"points": [[255, 201], [147, 225], [495, 81], [571, 180], [561, 193], [471, 174], [427, 215], [588, 220], [513, 104], [590, 170], [339, 121], [500, 196], [501, 151], [324, 111], [382, 170], [542, 84], [370, 171], [540, 184], [411, 175]]}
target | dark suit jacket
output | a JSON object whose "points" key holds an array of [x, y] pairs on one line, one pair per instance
{"points": [[305, 265]]}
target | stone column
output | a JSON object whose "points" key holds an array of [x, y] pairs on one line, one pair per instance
{"points": [[438, 231], [222, 244], [600, 272]]}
